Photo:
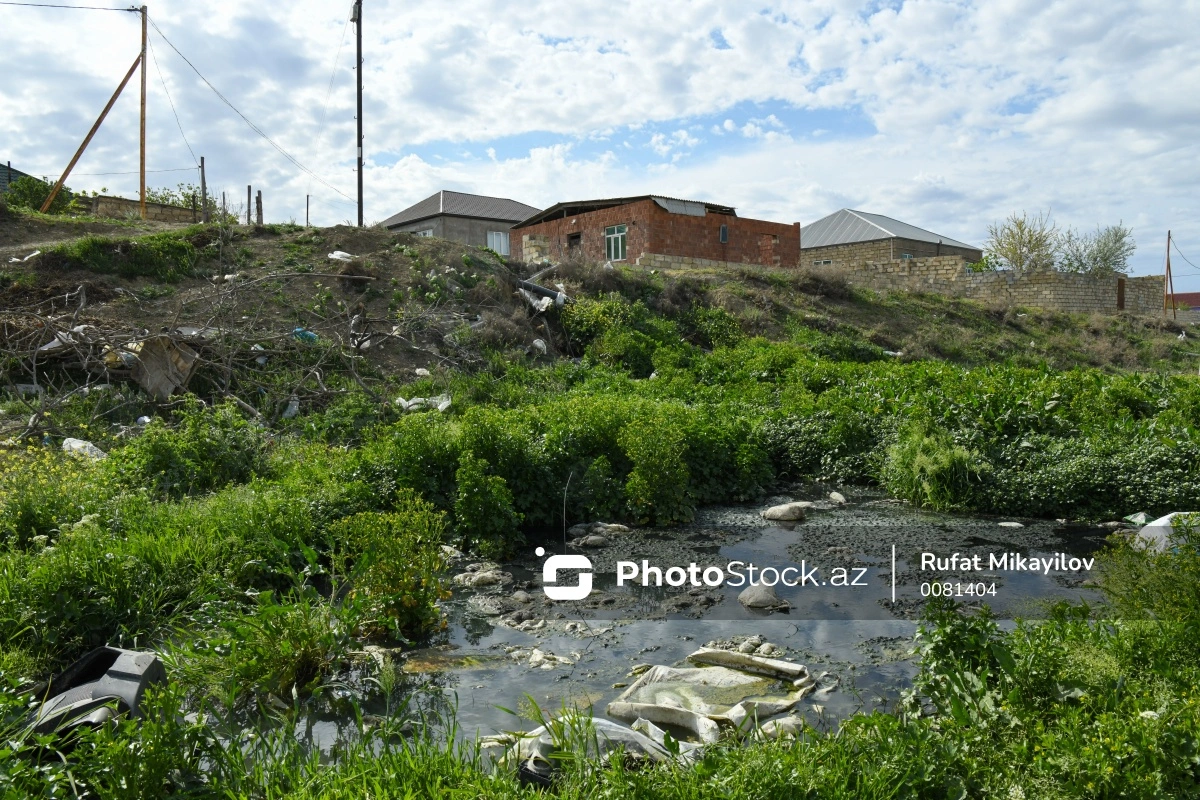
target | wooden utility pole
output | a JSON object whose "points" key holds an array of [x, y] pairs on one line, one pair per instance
{"points": [[142, 159], [203, 193], [258, 207], [1169, 283], [247, 203], [357, 18], [306, 210], [88, 138]]}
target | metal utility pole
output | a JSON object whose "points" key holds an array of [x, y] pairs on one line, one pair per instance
{"points": [[142, 161], [356, 18]]}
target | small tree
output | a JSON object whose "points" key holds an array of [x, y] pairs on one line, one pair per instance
{"points": [[1104, 252], [1024, 243], [29, 192]]}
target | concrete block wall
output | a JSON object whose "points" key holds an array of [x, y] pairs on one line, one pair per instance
{"points": [[948, 275], [120, 208]]}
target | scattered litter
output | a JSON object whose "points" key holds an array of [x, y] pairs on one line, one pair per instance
{"points": [[143, 420], [441, 402], [540, 346], [338, 255], [1140, 518], [163, 366], [261, 360], [304, 335], [893, 353], [1156, 535], [1011, 525], [745, 662], [293, 408], [421, 372], [79, 447], [15, 260], [537, 755], [104, 684]]}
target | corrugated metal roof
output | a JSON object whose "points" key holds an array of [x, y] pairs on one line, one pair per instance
{"points": [[674, 205], [460, 204], [688, 208], [849, 226]]}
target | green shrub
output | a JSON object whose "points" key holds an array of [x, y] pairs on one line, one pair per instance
{"points": [[208, 449], [29, 192], [419, 452], [484, 518], [928, 468], [395, 564], [657, 488], [162, 257]]}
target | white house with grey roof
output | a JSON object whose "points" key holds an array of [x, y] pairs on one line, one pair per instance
{"points": [[467, 218], [856, 237]]}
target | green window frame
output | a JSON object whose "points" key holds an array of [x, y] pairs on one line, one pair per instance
{"points": [[614, 242]]}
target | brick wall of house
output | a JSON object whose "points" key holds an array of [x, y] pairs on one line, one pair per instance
{"points": [[882, 250], [653, 229]]}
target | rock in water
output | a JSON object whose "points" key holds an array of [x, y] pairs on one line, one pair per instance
{"points": [[760, 596], [788, 512], [838, 498]]}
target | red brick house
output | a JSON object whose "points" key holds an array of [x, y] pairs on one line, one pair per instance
{"points": [[654, 231]]}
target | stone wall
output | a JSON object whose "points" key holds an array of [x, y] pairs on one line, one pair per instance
{"points": [[881, 250], [122, 208], [948, 275]]}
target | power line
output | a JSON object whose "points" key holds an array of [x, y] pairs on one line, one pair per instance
{"points": [[154, 57], [329, 89], [80, 8], [246, 119], [135, 172], [1181, 255]]}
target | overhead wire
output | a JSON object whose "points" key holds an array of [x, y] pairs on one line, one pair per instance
{"points": [[55, 5], [332, 76], [246, 119], [163, 80], [137, 171]]}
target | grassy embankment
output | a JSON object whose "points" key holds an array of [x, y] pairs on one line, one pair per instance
{"points": [[259, 559]]}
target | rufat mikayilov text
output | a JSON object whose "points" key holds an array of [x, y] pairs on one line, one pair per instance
{"points": [[1004, 562]]}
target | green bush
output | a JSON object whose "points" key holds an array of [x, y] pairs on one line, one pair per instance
{"points": [[928, 468], [484, 518], [207, 449], [395, 564], [164, 257], [29, 192], [657, 489]]}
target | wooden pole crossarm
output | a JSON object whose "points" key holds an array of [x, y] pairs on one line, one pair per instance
{"points": [[54, 192]]}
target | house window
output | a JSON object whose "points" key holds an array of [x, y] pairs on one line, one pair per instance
{"points": [[724, 234], [822, 263], [614, 243], [906, 255], [498, 241], [426, 232], [574, 243]]}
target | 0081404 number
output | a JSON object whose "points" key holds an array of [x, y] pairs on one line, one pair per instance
{"points": [[948, 589]]}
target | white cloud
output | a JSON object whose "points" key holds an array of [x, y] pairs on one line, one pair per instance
{"points": [[1089, 108]]}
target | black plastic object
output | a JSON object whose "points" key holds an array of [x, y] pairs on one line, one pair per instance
{"points": [[107, 682]]}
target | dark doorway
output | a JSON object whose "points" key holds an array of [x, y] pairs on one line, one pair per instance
{"points": [[574, 244], [1120, 294]]}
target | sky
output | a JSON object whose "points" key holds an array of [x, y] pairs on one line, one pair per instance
{"points": [[946, 115]]}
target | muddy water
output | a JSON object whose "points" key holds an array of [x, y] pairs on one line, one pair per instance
{"points": [[860, 632]]}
